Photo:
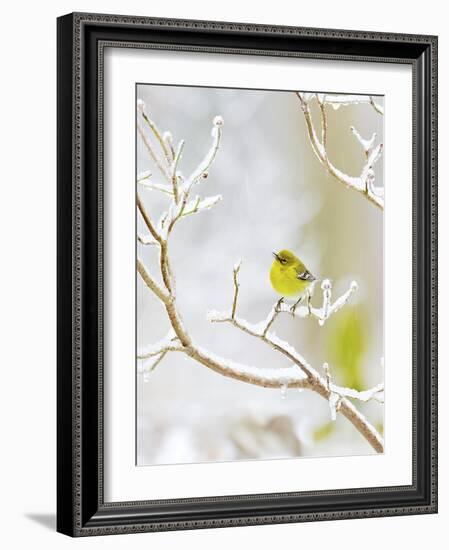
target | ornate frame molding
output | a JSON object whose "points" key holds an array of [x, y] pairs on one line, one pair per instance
{"points": [[81, 41]]}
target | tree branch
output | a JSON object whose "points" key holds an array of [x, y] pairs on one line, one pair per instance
{"points": [[152, 153], [328, 307], [155, 130], [169, 343], [174, 176], [336, 396], [147, 220], [299, 375], [365, 182], [151, 283]]}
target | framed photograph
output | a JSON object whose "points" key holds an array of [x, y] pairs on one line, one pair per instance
{"points": [[247, 274]]}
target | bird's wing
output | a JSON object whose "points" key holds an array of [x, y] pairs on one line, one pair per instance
{"points": [[304, 275]]}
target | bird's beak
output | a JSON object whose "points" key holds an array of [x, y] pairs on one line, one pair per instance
{"points": [[275, 255]]}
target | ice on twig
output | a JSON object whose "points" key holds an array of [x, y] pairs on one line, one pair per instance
{"points": [[284, 386], [337, 393], [305, 97], [291, 376], [173, 213], [363, 183], [214, 316], [142, 176], [147, 366], [327, 309], [238, 265], [375, 393], [168, 140], [199, 205], [337, 100], [203, 167], [341, 301], [146, 239], [374, 154], [163, 187], [181, 209], [155, 349], [334, 401], [328, 374], [367, 144]]}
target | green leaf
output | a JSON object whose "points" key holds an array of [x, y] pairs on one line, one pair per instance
{"points": [[347, 346]]}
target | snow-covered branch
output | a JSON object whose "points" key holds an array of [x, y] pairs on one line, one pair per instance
{"points": [[299, 373], [168, 343], [327, 308], [145, 239], [202, 170], [338, 100], [338, 393], [336, 396], [365, 182]]}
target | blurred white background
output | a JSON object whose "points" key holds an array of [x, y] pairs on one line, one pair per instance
{"points": [[275, 195]]}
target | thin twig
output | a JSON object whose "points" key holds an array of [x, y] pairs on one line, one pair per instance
{"points": [[376, 106], [236, 287], [358, 183], [323, 123], [153, 155], [317, 383], [145, 239], [151, 283], [175, 168], [147, 220], [157, 135], [328, 307], [147, 369], [169, 343], [299, 375], [201, 171]]}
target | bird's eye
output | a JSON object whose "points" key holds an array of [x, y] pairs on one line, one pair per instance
{"points": [[283, 261]]}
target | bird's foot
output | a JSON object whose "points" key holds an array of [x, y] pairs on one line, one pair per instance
{"points": [[294, 306], [277, 307], [309, 303]]}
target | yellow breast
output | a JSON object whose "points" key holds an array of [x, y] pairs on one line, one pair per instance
{"points": [[285, 280]]}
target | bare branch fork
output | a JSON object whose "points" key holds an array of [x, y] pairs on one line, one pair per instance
{"points": [[365, 182], [299, 374], [337, 396]]}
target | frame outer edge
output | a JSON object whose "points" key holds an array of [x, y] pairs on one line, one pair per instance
{"points": [[65, 371], [69, 236], [434, 270]]}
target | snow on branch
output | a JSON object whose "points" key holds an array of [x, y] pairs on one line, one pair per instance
{"points": [[299, 374], [376, 393], [336, 396], [168, 343], [145, 239], [202, 170], [337, 393], [177, 188], [365, 182], [337, 101], [328, 307], [152, 355]]}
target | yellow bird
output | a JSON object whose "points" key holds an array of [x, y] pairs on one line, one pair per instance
{"points": [[289, 277]]}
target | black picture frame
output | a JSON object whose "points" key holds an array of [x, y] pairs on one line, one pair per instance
{"points": [[81, 509]]}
